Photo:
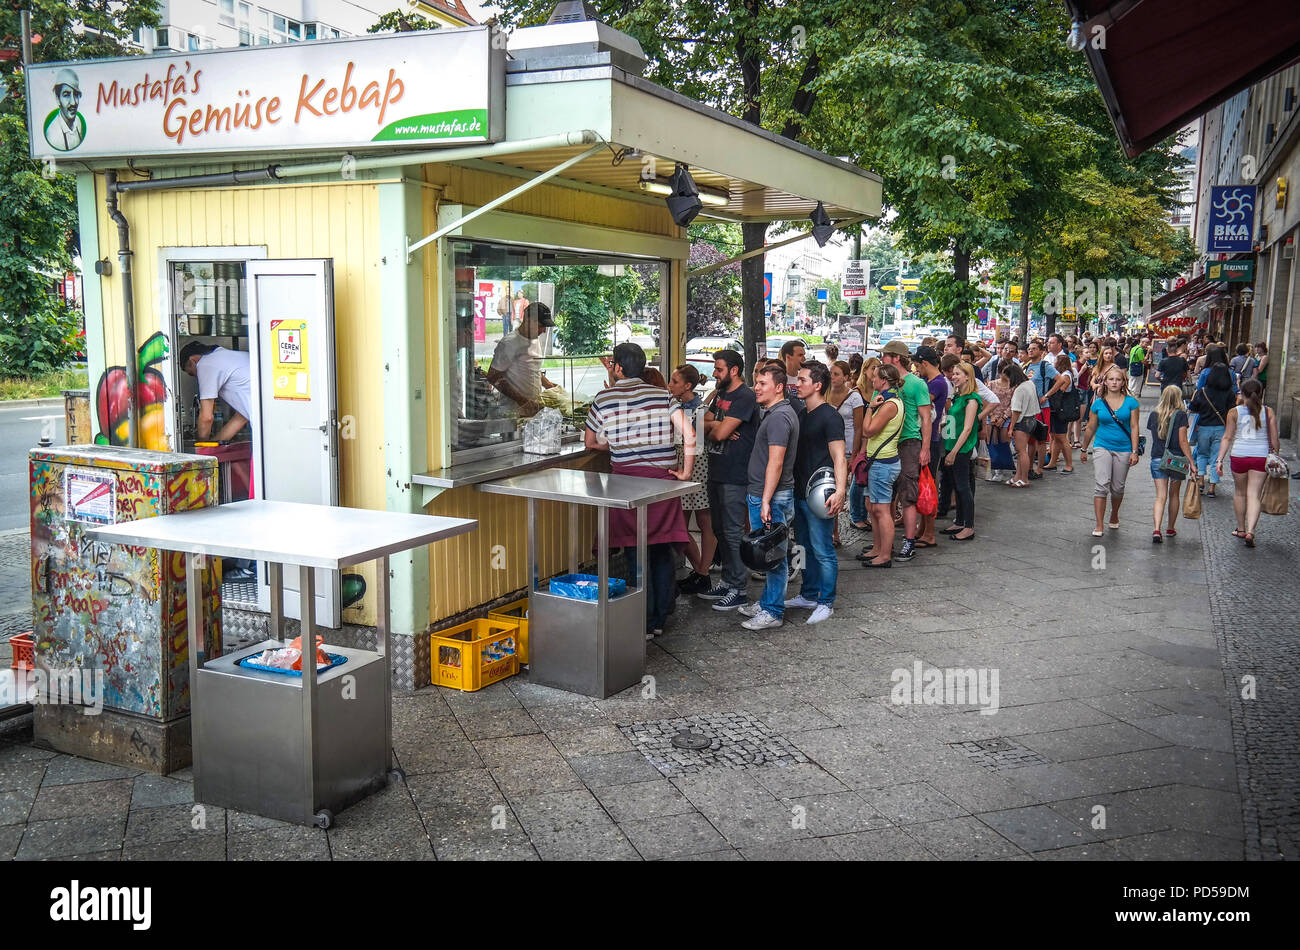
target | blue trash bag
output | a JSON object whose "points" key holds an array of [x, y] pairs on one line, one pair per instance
{"points": [[585, 586]]}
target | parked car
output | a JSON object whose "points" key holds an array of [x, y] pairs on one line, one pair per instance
{"points": [[711, 344]]}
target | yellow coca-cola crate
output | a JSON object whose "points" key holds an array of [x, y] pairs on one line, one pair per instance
{"points": [[515, 612], [472, 655]]}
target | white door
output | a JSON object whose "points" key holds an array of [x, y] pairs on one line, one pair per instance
{"points": [[296, 449]]}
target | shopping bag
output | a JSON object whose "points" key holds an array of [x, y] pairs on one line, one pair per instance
{"points": [[1192, 499], [1275, 497], [1000, 455], [927, 500]]}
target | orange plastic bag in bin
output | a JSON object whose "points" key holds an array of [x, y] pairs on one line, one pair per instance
{"points": [[322, 658], [927, 501]]}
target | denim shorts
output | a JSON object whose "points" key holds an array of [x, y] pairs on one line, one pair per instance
{"points": [[880, 481]]}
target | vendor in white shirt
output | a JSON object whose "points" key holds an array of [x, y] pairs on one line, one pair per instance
{"points": [[221, 373], [516, 368]]}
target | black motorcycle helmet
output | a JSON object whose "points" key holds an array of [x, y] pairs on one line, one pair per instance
{"points": [[765, 549]]}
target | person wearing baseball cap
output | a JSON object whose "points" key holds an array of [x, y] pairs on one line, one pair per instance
{"points": [[65, 127], [913, 450], [516, 368]]}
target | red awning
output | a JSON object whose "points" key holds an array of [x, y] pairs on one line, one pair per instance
{"points": [[1166, 62]]}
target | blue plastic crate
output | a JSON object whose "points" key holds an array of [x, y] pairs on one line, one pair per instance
{"points": [[585, 586]]}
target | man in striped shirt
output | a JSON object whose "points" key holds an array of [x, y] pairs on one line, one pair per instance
{"points": [[635, 423]]}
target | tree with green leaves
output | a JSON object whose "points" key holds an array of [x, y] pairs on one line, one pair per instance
{"points": [[586, 304], [38, 205]]}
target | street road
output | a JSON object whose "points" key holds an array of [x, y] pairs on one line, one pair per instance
{"points": [[21, 428]]}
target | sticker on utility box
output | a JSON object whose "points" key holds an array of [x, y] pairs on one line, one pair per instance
{"points": [[290, 375], [89, 496]]}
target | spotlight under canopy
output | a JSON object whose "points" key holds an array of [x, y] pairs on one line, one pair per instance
{"points": [[822, 229], [684, 203]]}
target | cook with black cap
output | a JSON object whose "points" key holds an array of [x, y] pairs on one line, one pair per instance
{"points": [[516, 368]]}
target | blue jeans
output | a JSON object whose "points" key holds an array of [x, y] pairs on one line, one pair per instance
{"points": [[1206, 450], [660, 582], [782, 509], [857, 501], [821, 567]]}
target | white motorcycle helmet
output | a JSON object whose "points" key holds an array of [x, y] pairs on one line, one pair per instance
{"points": [[821, 486]]}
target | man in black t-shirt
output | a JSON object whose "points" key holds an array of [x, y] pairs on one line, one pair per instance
{"points": [[821, 445], [1173, 368], [729, 431]]}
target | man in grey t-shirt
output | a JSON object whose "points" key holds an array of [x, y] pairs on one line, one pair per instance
{"points": [[770, 484]]}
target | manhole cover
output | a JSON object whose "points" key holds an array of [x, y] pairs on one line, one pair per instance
{"points": [[704, 743], [691, 740], [1001, 753]]}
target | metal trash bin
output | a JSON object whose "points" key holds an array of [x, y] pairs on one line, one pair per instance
{"points": [[593, 647]]}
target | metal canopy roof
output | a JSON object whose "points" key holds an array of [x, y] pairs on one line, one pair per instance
{"points": [[765, 176], [1166, 62]]}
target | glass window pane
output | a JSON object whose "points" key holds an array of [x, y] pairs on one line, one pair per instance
{"points": [[507, 366], [277, 24], [161, 38], [295, 29], [309, 31], [263, 38], [227, 6], [244, 9]]}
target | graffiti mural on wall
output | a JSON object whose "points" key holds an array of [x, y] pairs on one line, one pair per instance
{"points": [[112, 394]]}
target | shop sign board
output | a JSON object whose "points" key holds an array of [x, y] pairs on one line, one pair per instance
{"points": [[444, 87], [767, 294], [1235, 272], [1232, 219]]}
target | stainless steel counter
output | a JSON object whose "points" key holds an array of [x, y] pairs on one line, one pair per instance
{"points": [[508, 463], [597, 489]]}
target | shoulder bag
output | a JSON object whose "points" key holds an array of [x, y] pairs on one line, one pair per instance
{"points": [[1173, 463], [862, 469], [1142, 440], [1200, 392]]}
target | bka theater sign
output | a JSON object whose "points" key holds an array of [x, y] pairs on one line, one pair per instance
{"points": [[439, 87]]}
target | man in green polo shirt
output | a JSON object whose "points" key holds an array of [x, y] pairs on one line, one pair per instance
{"points": [[1137, 369], [913, 451]]}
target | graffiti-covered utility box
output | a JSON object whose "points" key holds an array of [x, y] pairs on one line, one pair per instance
{"points": [[110, 619]]}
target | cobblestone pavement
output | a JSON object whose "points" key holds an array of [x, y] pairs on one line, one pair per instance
{"points": [[1255, 607], [1114, 736]]}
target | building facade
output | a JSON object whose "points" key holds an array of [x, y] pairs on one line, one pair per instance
{"points": [[1254, 138], [222, 24]]}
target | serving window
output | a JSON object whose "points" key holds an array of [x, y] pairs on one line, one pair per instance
{"points": [[509, 364]]}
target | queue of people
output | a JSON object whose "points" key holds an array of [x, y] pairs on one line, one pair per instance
{"points": [[780, 461]]}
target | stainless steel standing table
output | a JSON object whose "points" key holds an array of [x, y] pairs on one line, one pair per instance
{"points": [[596, 648], [294, 748]]}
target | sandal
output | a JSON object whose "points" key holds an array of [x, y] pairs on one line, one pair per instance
{"points": [[1238, 533], [1114, 525], [1250, 539], [1098, 533]]}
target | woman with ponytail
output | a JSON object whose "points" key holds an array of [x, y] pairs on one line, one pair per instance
{"points": [[1250, 435]]}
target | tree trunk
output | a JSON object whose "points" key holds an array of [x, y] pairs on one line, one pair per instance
{"points": [[753, 325], [960, 271], [1024, 304]]}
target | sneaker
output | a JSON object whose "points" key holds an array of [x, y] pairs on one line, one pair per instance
{"points": [[757, 576], [908, 550], [751, 610], [734, 600], [823, 612], [995, 476], [762, 621], [694, 584], [801, 602], [656, 632], [716, 592]]}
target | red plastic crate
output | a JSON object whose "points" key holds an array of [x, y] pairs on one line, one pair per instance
{"points": [[24, 651]]}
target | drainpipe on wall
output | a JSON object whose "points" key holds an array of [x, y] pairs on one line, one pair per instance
{"points": [[124, 255]]}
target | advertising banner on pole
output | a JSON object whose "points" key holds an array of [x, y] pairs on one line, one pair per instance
{"points": [[857, 274]]}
